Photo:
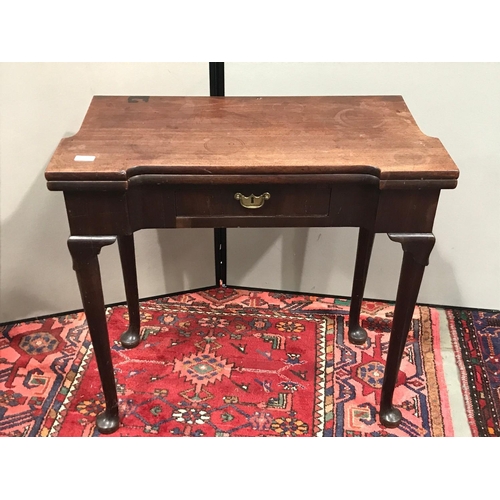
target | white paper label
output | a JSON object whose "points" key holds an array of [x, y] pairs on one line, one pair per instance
{"points": [[84, 158]]}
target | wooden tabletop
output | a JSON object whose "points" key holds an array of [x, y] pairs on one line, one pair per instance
{"points": [[124, 136]]}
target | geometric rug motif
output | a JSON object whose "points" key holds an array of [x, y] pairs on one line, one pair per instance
{"points": [[476, 341], [39, 365], [226, 362]]}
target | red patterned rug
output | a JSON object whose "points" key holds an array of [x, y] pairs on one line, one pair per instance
{"points": [[225, 362], [476, 340]]}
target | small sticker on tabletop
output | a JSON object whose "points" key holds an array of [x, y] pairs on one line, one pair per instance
{"points": [[84, 158]]}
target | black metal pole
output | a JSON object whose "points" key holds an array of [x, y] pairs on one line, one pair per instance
{"points": [[216, 70], [216, 78]]}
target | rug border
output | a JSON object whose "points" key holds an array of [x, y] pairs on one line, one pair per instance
{"points": [[437, 362], [478, 425], [464, 380]]}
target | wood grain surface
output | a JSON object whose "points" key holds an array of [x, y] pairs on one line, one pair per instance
{"points": [[129, 136]]}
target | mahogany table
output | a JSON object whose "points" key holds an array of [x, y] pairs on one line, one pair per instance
{"points": [[220, 162]]}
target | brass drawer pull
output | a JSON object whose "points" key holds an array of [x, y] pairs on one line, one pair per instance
{"points": [[252, 201]]}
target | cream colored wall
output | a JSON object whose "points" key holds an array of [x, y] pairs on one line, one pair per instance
{"points": [[42, 102]]}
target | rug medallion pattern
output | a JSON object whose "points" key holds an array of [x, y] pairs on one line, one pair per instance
{"points": [[225, 362]]}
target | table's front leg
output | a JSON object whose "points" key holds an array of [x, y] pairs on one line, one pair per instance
{"points": [[417, 248], [132, 336], [357, 334], [84, 250]]}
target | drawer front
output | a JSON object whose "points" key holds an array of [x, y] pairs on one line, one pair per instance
{"points": [[253, 201]]}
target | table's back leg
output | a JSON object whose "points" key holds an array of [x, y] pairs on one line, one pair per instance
{"points": [[357, 334], [84, 250], [132, 336], [417, 248], [220, 239]]}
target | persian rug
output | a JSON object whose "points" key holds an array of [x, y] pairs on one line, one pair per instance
{"points": [[225, 362], [476, 341]]}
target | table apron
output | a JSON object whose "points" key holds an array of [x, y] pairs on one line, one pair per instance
{"points": [[288, 205]]}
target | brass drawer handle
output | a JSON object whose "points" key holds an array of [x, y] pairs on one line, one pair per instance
{"points": [[252, 201]]}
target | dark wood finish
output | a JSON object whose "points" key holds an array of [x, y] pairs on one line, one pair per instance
{"points": [[84, 251], [357, 334], [167, 162], [285, 201], [215, 180], [98, 213], [185, 205], [417, 248], [406, 211], [132, 336], [250, 135]]}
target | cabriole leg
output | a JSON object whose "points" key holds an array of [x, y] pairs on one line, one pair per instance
{"points": [[417, 248], [132, 336], [84, 250], [357, 334]]}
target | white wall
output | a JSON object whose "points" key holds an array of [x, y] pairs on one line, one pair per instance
{"points": [[42, 102], [456, 102]]}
